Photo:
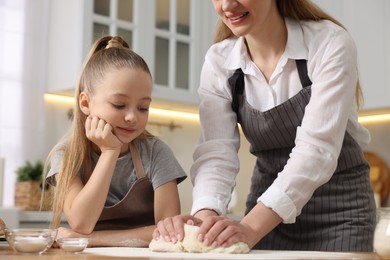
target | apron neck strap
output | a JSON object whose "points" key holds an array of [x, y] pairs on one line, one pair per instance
{"points": [[139, 169]]}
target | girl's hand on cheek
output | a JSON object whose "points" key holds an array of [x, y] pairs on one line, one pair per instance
{"points": [[100, 133]]}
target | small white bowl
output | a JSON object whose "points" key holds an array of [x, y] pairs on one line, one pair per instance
{"points": [[73, 245], [30, 240]]}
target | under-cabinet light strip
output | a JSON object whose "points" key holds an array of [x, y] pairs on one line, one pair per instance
{"points": [[194, 116], [374, 118], [152, 111]]}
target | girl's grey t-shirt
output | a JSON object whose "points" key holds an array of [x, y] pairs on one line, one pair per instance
{"points": [[158, 160]]}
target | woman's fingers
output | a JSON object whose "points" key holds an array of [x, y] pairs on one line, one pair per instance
{"points": [[221, 231]]}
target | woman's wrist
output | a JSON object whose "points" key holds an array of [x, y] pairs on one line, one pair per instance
{"points": [[261, 220], [204, 213]]}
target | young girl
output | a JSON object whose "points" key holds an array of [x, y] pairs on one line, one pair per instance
{"points": [[287, 73], [113, 179]]}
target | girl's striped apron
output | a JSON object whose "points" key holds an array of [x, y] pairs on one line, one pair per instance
{"points": [[340, 216]]}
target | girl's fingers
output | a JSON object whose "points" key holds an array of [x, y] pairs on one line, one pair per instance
{"points": [[170, 235], [156, 234], [178, 223], [107, 129], [88, 123], [163, 229], [172, 229]]}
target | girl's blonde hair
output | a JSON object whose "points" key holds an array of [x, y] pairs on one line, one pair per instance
{"points": [[107, 54], [297, 10]]}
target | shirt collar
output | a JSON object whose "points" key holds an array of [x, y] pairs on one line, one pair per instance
{"points": [[238, 57], [295, 48]]}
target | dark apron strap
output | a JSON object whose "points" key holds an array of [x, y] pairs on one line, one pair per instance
{"points": [[302, 71], [237, 83]]}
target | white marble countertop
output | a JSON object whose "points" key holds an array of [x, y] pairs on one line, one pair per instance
{"points": [[254, 254]]}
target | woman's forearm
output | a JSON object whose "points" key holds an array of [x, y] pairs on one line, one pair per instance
{"points": [[261, 220]]}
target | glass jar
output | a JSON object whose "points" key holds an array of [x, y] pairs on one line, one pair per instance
{"points": [[382, 233]]}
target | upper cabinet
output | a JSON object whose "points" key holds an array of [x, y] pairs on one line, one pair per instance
{"points": [[372, 38], [171, 35], [66, 46]]}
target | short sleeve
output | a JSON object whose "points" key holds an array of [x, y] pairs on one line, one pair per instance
{"points": [[55, 162], [164, 166]]}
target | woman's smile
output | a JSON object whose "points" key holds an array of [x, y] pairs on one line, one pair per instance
{"points": [[236, 17]]}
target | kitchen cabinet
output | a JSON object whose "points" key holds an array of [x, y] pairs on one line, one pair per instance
{"points": [[66, 44], [171, 35], [368, 25]]}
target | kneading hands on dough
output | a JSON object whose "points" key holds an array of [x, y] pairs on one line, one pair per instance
{"points": [[216, 230], [191, 244]]}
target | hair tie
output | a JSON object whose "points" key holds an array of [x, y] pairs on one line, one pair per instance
{"points": [[114, 43]]}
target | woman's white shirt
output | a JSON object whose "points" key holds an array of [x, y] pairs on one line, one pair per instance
{"points": [[332, 67]]}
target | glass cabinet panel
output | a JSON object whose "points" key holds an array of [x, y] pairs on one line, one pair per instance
{"points": [[125, 10], [173, 25], [162, 14], [113, 17], [161, 59], [99, 30], [101, 7], [182, 65], [183, 17], [127, 35]]}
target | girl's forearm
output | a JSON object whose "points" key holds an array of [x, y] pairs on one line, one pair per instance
{"points": [[137, 237], [86, 207]]}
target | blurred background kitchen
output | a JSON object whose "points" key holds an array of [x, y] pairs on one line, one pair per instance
{"points": [[43, 44]]}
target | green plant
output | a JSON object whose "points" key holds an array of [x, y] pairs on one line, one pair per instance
{"points": [[30, 172]]}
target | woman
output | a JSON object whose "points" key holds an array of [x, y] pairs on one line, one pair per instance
{"points": [[287, 73]]}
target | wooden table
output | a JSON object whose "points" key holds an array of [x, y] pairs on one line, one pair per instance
{"points": [[145, 254]]}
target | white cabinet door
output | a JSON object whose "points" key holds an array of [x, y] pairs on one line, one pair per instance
{"points": [[171, 35], [368, 22], [66, 44]]}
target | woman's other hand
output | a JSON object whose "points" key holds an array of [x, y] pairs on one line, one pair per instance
{"points": [[223, 231]]}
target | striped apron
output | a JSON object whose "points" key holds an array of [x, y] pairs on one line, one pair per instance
{"points": [[340, 216]]}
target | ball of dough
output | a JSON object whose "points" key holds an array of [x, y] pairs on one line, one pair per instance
{"points": [[191, 244], [163, 246]]}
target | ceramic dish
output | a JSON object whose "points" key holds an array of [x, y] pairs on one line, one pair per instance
{"points": [[30, 240], [73, 245]]}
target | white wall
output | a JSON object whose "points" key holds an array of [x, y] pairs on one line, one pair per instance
{"points": [[368, 22], [23, 26]]}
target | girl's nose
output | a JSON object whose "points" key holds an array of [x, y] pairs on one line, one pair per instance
{"points": [[131, 116]]}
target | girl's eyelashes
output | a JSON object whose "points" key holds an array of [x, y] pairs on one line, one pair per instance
{"points": [[118, 106], [122, 106], [143, 109]]}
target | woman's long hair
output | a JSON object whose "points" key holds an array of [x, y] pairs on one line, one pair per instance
{"points": [[107, 54], [297, 10]]}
